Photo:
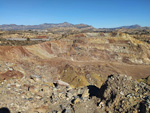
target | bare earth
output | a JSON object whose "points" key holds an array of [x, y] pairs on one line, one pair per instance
{"points": [[29, 74]]}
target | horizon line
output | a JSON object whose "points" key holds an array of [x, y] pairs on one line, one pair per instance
{"points": [[73, 24]]}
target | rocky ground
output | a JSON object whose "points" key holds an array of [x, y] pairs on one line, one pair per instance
{"points": [[78, 73], [34, 94]]}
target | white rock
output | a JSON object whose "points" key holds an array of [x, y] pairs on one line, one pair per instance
{"points": [[121, 93], [18, 85], [10, 69], [62, 83]]}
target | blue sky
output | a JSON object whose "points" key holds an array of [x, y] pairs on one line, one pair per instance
{"points": [[98, 13]]}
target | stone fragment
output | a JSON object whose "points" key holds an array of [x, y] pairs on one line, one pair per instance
{"points": [[85, 94], [76, 101]]}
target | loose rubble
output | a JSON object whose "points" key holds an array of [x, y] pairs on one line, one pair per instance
{"points": [[120, 93]]}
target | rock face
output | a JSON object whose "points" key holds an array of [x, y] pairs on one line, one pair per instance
{"points": [[121, 93]]}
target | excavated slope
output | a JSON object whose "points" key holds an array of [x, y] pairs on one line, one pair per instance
{"points": [[80, 60]]}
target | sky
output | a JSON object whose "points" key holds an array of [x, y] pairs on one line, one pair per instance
{"points": [[98, 13]]}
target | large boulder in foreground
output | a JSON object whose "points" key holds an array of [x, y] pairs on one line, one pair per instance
{"points": [[120, 93]]}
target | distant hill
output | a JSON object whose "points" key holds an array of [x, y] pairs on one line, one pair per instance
{"points": [[128, 29], [136, 26], [65, 24], [41, 26]]}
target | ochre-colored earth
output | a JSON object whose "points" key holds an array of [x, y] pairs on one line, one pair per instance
{"points": [[80, 60]]}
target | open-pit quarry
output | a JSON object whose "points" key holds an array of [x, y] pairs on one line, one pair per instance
{"points": [[79, 73]]}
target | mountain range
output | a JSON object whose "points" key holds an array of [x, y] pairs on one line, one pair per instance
{"points": [[41, 26], [65, 24]]}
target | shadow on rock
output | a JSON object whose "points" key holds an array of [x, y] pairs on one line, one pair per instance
{"points": [[93, 90], [4, 110], [142, 108]]}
